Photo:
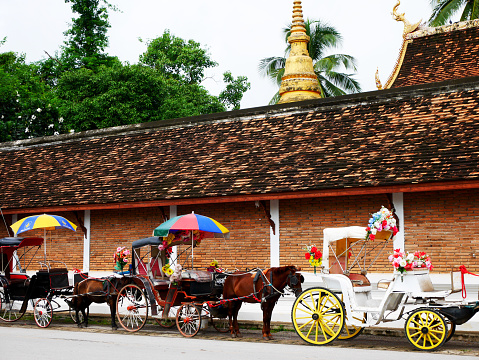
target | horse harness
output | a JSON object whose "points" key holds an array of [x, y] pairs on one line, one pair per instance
{"points": [[268, 290]]}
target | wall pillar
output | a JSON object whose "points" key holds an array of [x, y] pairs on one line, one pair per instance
{"points": [[86, 241], [274, 237], [398, 202], [173, 213], [14, 220]]}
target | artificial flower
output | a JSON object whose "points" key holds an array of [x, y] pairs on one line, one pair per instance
{"points": [[404, 262], [120, 257], [313, 255], [379, 221]]}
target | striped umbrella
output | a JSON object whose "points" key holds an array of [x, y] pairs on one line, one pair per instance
{"points": [[209, 226], [191, 222], [45, 222]]}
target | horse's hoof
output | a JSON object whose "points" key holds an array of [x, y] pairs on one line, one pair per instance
{"points": [[233, 335], [270, 337], [239, 335], [114, 328], [266, 338]]}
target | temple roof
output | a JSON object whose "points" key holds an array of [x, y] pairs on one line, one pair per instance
{"points": [[437, 54], [398, 137]]}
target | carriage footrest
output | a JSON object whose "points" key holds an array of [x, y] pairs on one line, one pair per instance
{"points": [[431, 294]]}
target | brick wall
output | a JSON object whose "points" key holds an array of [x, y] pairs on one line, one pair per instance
{"points": [[247, 247], [444, 224], [3, 229], [302, 222]]}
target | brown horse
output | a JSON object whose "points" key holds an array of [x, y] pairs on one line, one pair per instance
{"points": [[97, 291], [263, 286]]}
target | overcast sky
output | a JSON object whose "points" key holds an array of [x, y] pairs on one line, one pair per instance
{"points": [[237, 33]]}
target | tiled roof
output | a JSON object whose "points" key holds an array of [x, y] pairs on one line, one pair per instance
{"points": [[411, 135], [439, 54]]}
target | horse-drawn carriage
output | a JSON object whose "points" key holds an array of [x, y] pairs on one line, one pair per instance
{"points": [[347, 304], [42, 290], [181, 297], [187, 297]]}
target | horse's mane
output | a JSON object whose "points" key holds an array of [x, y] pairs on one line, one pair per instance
{"points": [[283, 269]]}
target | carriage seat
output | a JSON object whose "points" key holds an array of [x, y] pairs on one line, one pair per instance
{"points": [[155, 268], [141, 266], [17, 278], [356, 279], [197, 275], [384, 284]]}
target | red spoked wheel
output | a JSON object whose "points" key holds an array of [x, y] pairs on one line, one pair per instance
{"points": [[131, 308], [188, 320], [168, 320], [43, 312], [221, 325]]}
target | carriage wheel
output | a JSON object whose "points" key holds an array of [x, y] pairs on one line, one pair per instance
{"points": [[170, 319], [221, 325], [426, 329], [72, 312], [318, 316], [131, 308], [10, 311], [451, 328], [352, 331], [43, 312], [188, 320]]}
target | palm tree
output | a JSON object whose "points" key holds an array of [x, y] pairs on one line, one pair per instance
{"points": [[322, 38], [444, 10]]}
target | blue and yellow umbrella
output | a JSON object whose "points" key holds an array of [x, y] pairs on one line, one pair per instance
{"points": [[45, 221]]}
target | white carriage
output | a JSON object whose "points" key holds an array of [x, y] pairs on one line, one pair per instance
{"points": [[346, 305]]}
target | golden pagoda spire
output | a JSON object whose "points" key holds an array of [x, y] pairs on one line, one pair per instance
{"points": [[299, 81]]}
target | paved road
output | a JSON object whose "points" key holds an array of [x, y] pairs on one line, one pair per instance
{"points": [[22, 342]]}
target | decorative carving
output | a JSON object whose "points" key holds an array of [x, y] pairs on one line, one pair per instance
{"points": [[80, 222], [268, 216], [408, 27], [378, 81]]}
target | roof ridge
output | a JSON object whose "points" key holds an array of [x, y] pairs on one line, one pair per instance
{"points": [[422, 32]]}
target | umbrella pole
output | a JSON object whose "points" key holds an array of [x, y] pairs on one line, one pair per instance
{"points": [[45, 245], [192, 247]]}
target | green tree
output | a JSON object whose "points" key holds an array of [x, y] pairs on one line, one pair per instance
{"points": [[233, 93], [177, 58], [128, 94], [27, 106], [187, 61], [323, 38], [87, 38], [444, 10]]}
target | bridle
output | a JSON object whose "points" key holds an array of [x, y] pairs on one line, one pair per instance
{"points": [[293, 281]]}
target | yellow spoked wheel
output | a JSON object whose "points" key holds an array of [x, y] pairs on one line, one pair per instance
{"points": [[318, 316], [351, 331], [451, 326], [426, 329]]}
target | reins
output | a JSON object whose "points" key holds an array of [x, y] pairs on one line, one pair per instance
{"points": [[95, 293]]}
